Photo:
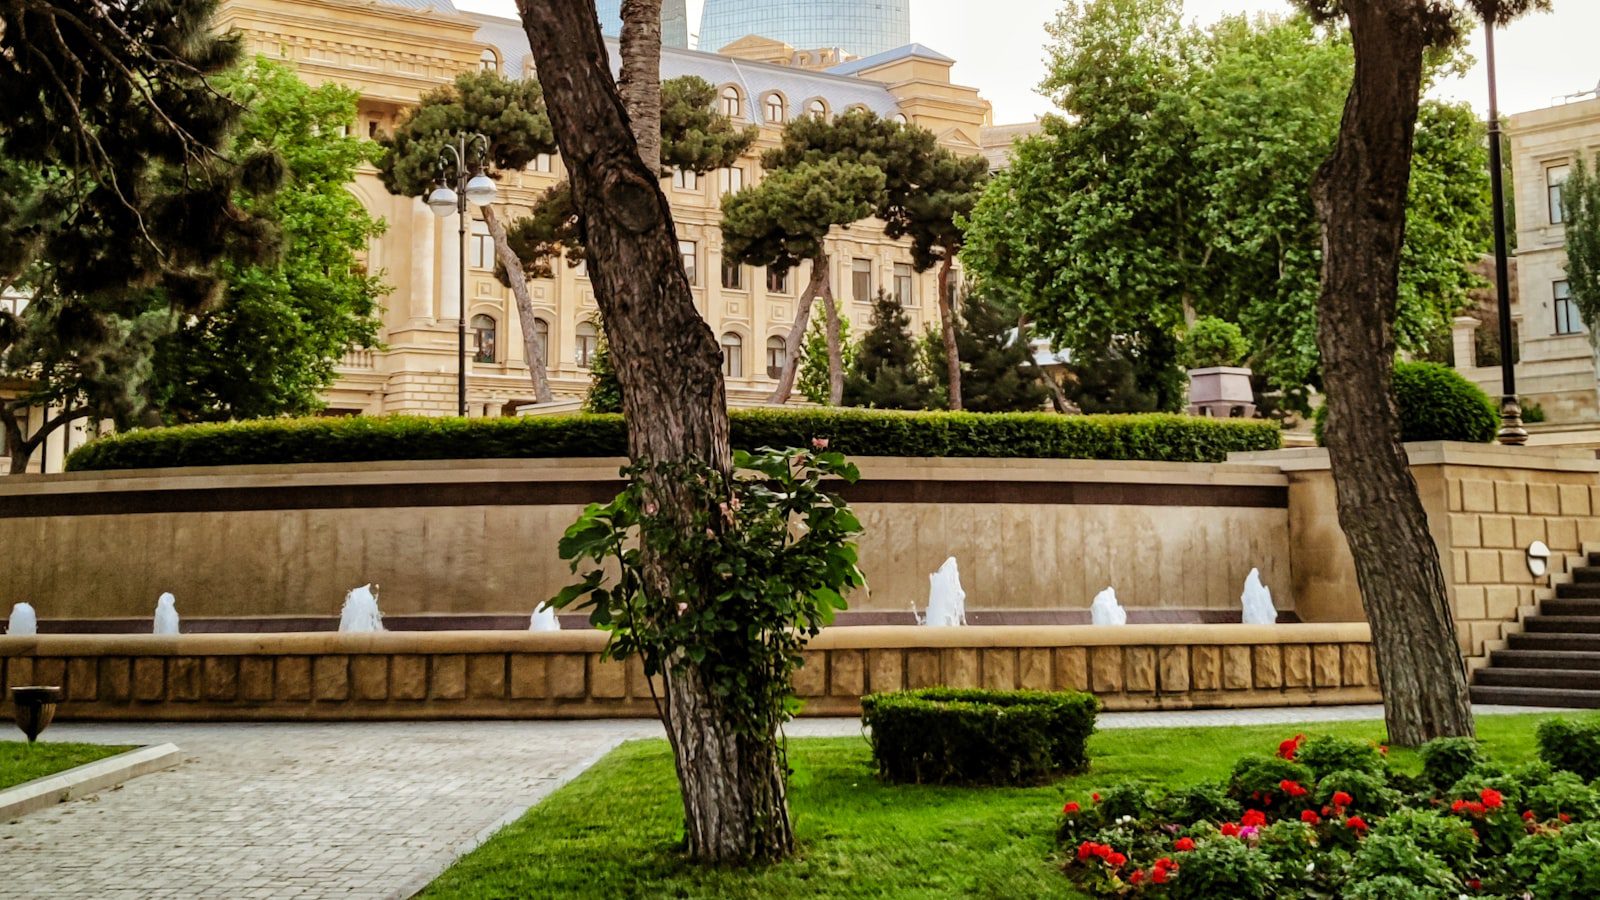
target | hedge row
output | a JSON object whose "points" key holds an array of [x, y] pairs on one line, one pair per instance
{"points": [[854, 432], [952, 736]]}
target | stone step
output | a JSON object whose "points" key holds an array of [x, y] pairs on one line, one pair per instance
{"points": [[1521, 696], [1577, 591], [1586, 575], [1558, 679], [1544, 624], [1545, 659], [1547, 641], [1571, 606]]}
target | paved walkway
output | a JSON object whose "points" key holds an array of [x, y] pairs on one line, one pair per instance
{"points": [[348, 809]]}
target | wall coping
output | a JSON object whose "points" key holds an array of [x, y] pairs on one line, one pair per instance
{"points": [[1440, 453], [859, 637]]}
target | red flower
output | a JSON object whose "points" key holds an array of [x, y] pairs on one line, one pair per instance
{"points": [[1095, 797], [1165, 862], [1356, 823], [1253, 817], [1383, 749], [1185, 844], [1230, 829], [1310, 817], [1289, 748], [1527, 815], [1469, 806], [1292, 788], [1492, 798], [1475, 884], [1069, 809], [1115, 860], [1136, 877], [1565, 819], [1159, 876], [1340, 798]]}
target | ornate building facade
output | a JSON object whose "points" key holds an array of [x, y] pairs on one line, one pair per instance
{"points": [[394, 51]]}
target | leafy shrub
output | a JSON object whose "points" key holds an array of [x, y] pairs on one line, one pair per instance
{"points": [[1394, 855], [1565, 794], [1200, 803], [1371, 793], [1573, 745], [1450, 839], [1156, 437], [1446, 761], [1325, 753], [1437, 403], [1574, 874], [1256, 777], [1212, 342], [947, 735], [1222, 868]]}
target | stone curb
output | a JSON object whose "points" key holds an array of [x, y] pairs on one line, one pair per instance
{"points": [[84, 780]]}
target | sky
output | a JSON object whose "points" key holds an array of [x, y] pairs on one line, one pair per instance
{"points": [[998, 48]]}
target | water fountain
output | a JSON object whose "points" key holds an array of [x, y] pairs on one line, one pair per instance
{"points": [[360, 612], [166, 615], [544, 619], [23, 622], [947, 602], [1257, 602], [1105, 610]]}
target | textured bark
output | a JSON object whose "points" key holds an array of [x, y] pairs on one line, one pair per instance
{"points": [[795, 347], [22, 450], [835, 347], [532, 352], [1058, 397], [947, 327], [640, 78], [670, 370], [1360, 195]]}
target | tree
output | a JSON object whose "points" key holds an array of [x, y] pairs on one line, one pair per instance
{"points": [[511, 115], [816, 380], [605, 392], [1580, 205], [1134, 373], [270, 347], [786, 219], [1361, 196], [886, 373], [120, 205], [996, 374]]}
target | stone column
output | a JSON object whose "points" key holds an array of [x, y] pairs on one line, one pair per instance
{"points": [[450, 269], [1463, 333], [423, 222]]}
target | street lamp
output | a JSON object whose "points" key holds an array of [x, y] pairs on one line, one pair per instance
{"points": [[1511, 431], [451, 195]]}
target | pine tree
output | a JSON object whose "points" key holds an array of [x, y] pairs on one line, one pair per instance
{"points": [[814, 380], [887, 373], [1134, 373], [995, 372]]}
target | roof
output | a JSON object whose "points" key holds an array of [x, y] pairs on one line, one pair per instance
{"points": [[919, 51], [423, 5], [755, 80]]}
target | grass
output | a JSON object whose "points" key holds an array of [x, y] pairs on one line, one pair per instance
{"points": [[613, 832], [20, 762]]}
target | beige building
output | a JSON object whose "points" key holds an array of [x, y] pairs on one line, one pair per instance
{"points": [[394, 51], [1556, 367]]}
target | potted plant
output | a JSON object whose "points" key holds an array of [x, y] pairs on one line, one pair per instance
{"points": [[1214, 351]]}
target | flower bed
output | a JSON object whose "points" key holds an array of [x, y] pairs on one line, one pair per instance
{"points": [[1330, 817], [950, 736]]}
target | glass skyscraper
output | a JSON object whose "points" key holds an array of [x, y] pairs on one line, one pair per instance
{"points": [[858, 27], [674, 20]]}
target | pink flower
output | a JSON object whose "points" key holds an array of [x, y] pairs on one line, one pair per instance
{"points": [[819, 444]]}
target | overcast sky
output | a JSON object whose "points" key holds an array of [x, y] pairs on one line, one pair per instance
{"points": [[998, 48]]}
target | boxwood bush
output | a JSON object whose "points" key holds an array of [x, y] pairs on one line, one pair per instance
{"points": [[1437, 403], [854, 432], [953, 736]]}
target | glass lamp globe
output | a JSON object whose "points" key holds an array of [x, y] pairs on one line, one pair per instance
{"points": [[480, 190], [442, 201]]}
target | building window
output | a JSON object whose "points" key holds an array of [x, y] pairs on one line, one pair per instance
{"points": [[772, 105], [544, 162], [777, 282], [730, 102], [732, 275], [588, 338], [817, 108], [1568, 321], [483, 333], [488, 62], [732, 355], [730, 180], [900, 119], [903, 284], [1555, 179], [480, 250], [688, 252], [777, 355], [541, 338], [861, 280], [685, 180]]}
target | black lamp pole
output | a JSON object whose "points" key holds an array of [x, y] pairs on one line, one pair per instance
{"points": [[1511, 431], [451, 196]]}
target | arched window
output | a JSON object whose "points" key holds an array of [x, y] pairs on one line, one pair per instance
{"points": [[588, 339], [488, 61], [773, 105], [732, 355], [483, 332], [541, 334], [777, 355], [817, 107], [730, 102], [901, 119]]}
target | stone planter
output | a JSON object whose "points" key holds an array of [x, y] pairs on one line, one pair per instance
{"points": [[1221, 392]]}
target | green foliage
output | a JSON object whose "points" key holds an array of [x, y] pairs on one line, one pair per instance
{"points": [[1396, 856], [695, 135], [954, 736], [782, 555], [548, 232], [1447, 760], [1580, 200], [1222, 868], [784, 219], [1447, 838], [812, 381], [1324, 754], [995, 371], [270, 347], [1574, 874], [605, 391], [1572, 745], [1371, 790], [1437, 403], [510, 113], [1254, 777], [1211, 342], [1565, 793], [1136, 372], [886, 373]]}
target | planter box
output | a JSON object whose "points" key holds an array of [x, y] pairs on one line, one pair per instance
{"points": [[1222, 392]]}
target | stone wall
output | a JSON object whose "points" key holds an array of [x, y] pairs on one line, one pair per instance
{"points": [[479, 675]]}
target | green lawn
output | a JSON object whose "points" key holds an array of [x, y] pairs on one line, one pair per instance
{"points": [[611, 833], [20, 762]]}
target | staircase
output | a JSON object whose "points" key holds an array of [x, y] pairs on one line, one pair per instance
{"points": [[1555, 661]]}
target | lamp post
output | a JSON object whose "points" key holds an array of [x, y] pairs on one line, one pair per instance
{"points": [[450, 195], [1511, 431]]}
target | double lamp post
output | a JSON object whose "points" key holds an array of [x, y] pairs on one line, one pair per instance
{"points": [[451, 193]]}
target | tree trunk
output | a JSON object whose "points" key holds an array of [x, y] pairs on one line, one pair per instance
{"points": [[1360, 194], [795, 347], [532, 352], [670, 370], [640, 78], [835, 347], [1058, 397], [947, 324], [20, 453]]}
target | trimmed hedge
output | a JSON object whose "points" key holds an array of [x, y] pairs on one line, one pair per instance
{"points": [[1572, 744], [1437, 403], [953, 736], [854, 432]]}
